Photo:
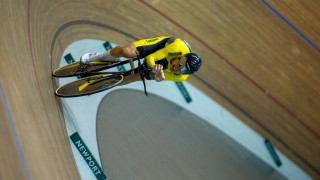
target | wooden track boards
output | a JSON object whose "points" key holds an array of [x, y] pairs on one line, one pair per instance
{"points": [[255, 65]]}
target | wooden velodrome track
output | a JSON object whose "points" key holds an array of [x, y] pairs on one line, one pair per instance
{"points": [[255, 65]]}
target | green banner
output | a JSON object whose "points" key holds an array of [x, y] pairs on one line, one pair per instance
{"points": [[272, 152], [87, 156], [184, 91], [108, 46], [70, 60]]}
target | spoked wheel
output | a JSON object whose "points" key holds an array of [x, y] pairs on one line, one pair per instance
{"points": [[89, 85], [74, 69]]}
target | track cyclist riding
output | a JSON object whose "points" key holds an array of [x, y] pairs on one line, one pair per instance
{"points": [[165, 58], [170, 58]]}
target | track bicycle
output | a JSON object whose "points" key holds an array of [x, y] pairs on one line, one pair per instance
{"points": [[93, 80]]}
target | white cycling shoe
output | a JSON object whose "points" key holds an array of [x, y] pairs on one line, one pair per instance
{"points": [[88, 57]]}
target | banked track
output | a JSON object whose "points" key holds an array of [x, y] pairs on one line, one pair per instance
{"points": [[35, 34]]}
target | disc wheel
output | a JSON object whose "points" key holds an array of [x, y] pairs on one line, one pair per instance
{"points": [[89, 85]]}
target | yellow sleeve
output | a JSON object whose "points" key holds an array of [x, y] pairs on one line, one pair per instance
{"points": [[170, 76], [152, 58]]}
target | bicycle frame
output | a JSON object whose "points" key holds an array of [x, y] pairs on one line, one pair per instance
{"points": [[140, 69], [114, 64]]}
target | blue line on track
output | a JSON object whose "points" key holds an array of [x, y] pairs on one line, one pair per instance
{"points": [[15, 133], [293, 27]]}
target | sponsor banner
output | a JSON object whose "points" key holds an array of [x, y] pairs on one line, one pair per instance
{"points": [[87, 156]]}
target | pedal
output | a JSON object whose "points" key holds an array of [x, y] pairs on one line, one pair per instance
{"points": [[83, 67]]}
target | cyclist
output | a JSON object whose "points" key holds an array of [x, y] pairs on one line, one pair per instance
{"points": [[170, 58]]}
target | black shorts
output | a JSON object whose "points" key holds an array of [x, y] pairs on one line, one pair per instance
{"points": [[146, 47]]}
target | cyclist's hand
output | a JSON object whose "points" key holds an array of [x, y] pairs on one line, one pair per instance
{"points": [[158, 70], [159, 77]]}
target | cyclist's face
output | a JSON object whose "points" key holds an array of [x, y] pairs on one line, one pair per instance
{"points": [[177, 64]]}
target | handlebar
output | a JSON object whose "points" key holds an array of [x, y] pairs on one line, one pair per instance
{"points": [[141, 71]]}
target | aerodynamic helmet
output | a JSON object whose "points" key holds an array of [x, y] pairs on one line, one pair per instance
{"points": [[193, 63]]}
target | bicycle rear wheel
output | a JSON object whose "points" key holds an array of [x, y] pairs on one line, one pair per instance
{"points": [[89, 85], [74, 69]]}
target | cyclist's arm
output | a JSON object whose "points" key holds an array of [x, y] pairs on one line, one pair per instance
{"points": [[170, 76], [152, 58], [169, 52]]}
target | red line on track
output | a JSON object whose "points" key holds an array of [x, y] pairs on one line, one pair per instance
{"points": [[233, 66]]}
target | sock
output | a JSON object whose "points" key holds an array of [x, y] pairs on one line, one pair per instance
{"points": [[98, 56], [106, 55]]}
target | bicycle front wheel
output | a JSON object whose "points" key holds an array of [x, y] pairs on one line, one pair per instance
{"points": [[89, 85]]}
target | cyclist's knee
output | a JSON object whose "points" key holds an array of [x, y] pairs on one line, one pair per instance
{"points": [[129, 51], [124, 51]]}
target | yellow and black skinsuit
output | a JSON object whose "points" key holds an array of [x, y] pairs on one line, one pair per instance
{"points": [[161, 50]]}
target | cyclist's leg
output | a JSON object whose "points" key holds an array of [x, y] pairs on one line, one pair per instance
{"points": [[144, 47], [128, 51]]}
